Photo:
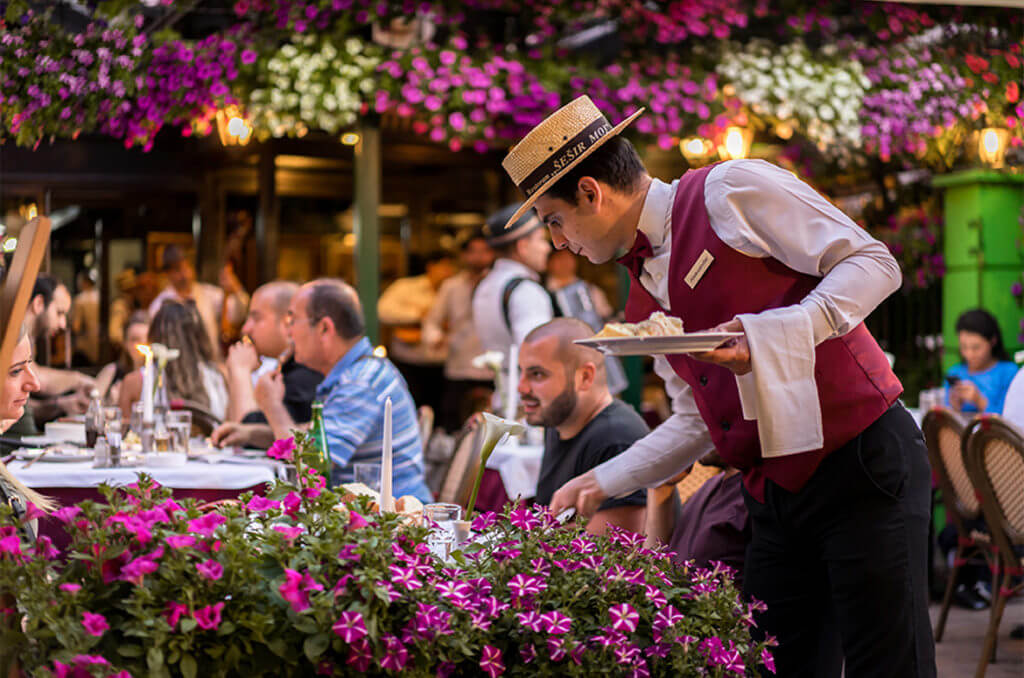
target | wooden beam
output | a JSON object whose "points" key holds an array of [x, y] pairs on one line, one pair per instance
{"points": [[367, 223], [21, 278]]}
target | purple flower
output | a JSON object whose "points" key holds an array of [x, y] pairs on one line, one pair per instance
{"points": [[260, 503], [1017, 289], [556, 623], [293, 501], [138, 568], [348, 552], [296, 589], [45, 548], [206, 525], [248, 56], [406, 577], [389, 591], [66, 514], [210, 569], [95, 624], [453, 589], [624, 618], [350, 626], [524, 519], [208, 618], [530, 620], [656, 596], [70, 588], [592, 562], [582, 545], [360, 655], [395, 655], [522, 585], [490, 661]]}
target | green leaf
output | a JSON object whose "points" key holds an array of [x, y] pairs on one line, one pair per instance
{"points": [[188, 625], [316, 646], [278, 647], [155, 658], [188, 666], [129, 651]]}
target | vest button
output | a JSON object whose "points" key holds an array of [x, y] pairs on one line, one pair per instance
{"points": [[703, 380], [725, 424]]}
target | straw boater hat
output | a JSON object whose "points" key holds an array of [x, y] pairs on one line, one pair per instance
{"points": [[555, 146]]}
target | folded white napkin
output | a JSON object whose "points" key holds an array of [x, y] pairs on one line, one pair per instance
{"points": [[779, 391]]}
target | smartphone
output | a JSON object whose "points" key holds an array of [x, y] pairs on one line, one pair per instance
{"points": [[952, 381]]}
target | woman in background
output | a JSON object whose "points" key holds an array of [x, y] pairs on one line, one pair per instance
{"points": [[135, 332], [980, 381], [193, 375]]}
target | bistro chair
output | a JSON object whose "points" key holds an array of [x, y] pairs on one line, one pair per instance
{"points": [[464, 464], [994, 457], [425, 423], [944, 436]]}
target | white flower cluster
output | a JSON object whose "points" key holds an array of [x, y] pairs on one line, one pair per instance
{"points": [[314, 84], [818, 93]]}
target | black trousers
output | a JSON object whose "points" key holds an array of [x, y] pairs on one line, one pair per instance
{"points": [[849, 551]]}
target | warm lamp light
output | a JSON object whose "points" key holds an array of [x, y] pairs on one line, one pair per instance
{"points": [[992, 142], [784, 130], [736, 144], [696, 150], [380, 352], [350, 138], [10, 245], [233, 128]]}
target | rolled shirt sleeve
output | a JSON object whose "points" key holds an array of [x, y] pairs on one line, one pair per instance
{"points": [[663, 453]]}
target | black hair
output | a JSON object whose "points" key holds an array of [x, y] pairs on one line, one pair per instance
{"points": [[435, 256], [979, 321], [337, 301], [614, 163], [46, 286]]}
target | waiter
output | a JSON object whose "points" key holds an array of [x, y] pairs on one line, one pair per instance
{"points": [[803, 401]]}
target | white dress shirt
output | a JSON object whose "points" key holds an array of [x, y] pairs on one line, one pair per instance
{"points": [[761, 210], [1013, 404], [529, 306]]}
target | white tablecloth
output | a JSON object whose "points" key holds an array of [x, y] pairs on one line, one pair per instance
{"points": [[193, 475], [519, 467]]}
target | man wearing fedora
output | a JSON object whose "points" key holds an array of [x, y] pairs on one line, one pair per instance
{"points": [[801, 399], [510, 300]]}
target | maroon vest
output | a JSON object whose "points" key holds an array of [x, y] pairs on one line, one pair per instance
{"points": [[855, 384]]}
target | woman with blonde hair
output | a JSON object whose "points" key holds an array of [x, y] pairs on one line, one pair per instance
{"points": [[19, 382]]}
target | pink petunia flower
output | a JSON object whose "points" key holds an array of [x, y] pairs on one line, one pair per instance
{"points": [[208, 618], [180, 541], [136, 570], [768, 660], [405, 577], [360, 655], [174, 612], [260, 503], [556, 623], [282, 449], [348, 552], [490, 661], [210, 569], [45, 548], [530, 620], [66, 514], [289, 533], [350, 627], [296, 589], [206, 525], [95, 624], [11, 545], [291, 504], [70, 588]]}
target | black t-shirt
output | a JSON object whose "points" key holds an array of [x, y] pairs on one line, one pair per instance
{"points": [[300, 384], [612, 431]]}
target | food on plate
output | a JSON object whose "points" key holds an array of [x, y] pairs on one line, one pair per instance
{"points": [[658, 325], [407, 505]]}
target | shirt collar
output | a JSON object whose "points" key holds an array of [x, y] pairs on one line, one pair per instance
{"points": [[359, 349], [516, 267], [656, 216]]}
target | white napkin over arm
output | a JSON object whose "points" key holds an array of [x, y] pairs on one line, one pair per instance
{"points": [[780, 391]]}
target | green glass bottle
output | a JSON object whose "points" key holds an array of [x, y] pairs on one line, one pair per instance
{"points": [[318, 433]]}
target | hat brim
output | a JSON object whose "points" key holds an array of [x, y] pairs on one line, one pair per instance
{"points": [[615, 131]]}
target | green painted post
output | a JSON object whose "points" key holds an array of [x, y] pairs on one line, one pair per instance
{"points": [[632, 365], [983, 252], [367, 225]]}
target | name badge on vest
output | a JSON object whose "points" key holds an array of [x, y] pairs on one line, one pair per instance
{"points": [[699, 269]]}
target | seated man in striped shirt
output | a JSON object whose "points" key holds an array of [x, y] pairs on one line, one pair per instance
{"points": [[325, 324]]}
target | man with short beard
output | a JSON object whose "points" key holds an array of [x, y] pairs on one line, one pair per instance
{"points": [[562, 387]]}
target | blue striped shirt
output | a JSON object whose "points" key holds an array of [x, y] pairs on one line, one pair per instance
{"points": [[353, 395]]}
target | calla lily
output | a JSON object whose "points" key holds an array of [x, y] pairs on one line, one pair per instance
{"points": [[495, 430], [164, 355]]}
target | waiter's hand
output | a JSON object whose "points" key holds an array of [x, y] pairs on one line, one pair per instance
{"points": [[734, 355], [582, 493]]}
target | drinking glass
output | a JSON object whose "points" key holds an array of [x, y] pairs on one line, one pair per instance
{"points": [[367, 474], [135, 423], [441, 518], [179, 425]]}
